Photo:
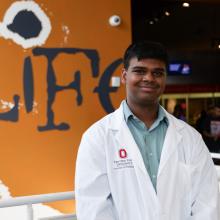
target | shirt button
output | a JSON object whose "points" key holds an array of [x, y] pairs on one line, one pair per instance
{"points": [[154, 176], [151, 154]]}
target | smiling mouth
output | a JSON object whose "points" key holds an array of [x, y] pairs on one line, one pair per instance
{"points": [[148, 88]]}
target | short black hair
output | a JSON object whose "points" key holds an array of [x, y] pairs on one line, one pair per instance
{"points": [[144, 50]]}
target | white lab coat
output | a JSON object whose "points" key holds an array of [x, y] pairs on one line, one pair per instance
{"points": [[112, 182]]}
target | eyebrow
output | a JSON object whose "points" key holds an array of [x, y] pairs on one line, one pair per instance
{"points": [[138, 67], [144, 68], [159, 68]]}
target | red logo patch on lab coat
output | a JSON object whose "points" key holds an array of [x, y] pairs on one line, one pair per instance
{"points": [[122, 153]]}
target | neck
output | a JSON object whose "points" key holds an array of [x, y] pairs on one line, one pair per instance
{"points": [[146, 113]]}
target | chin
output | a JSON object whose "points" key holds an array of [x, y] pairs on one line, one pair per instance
{"points": [[148, 101]]}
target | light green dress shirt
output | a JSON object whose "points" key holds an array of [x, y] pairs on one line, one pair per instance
{"points": [[149, 140]]}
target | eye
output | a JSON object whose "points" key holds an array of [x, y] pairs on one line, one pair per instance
{"points": [[139, 72], [158, 73]]}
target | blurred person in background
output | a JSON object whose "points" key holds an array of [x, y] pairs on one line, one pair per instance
{"points": [[200, 121], [179, 112], [211, 129]]}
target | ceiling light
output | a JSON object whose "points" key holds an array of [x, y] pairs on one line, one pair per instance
{"points": [[218, 46], [167, 13], [185, 4], [151, 22]]}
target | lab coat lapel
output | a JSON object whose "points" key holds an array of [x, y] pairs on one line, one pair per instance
{"points": [[124, 138], [171, 143]]}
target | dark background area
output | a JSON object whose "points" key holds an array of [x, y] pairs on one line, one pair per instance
{"points": [[191, 35]]}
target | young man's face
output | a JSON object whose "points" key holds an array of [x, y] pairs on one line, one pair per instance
{"points": [[145, 80]]}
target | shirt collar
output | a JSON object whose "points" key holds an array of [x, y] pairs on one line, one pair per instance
{"points": [[128, 113]]}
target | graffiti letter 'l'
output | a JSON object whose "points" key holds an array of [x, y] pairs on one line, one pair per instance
{"points": [[11, 115], [28, 82]]}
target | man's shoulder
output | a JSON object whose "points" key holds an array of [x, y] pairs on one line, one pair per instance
{"points": [[181, 125], [103, 124]]}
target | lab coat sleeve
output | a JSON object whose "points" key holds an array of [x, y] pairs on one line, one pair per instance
{"points": [[93, 196], [205, 193]]}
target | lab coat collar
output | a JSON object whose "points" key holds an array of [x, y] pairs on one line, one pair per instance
{"points": [[171, 141], [118, 119]]}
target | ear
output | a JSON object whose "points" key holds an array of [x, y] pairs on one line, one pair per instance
{"points": [[124, 76]]}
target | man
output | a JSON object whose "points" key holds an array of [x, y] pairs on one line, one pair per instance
{"points": [[140, 162]]}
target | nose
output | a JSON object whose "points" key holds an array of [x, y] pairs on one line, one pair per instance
{"points": [[148, 77]]}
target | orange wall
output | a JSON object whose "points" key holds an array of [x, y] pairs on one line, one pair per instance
{"points": [[33, 161]]}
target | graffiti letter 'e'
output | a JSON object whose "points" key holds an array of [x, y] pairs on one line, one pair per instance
{"points": [[103, 89]]}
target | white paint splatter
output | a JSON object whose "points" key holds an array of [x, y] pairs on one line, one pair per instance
{"points": [[9, 16], [66, 32], [34, 109], [20, 105], [65, 29], [6, 105]]}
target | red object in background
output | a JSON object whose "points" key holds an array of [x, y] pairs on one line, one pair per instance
{"points": [[183, 105]]}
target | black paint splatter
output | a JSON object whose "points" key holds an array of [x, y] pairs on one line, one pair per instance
{"points": [[26, 24]]}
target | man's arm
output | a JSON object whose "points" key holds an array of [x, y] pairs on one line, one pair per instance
{"points": [[205, 193], [93, 196]]}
